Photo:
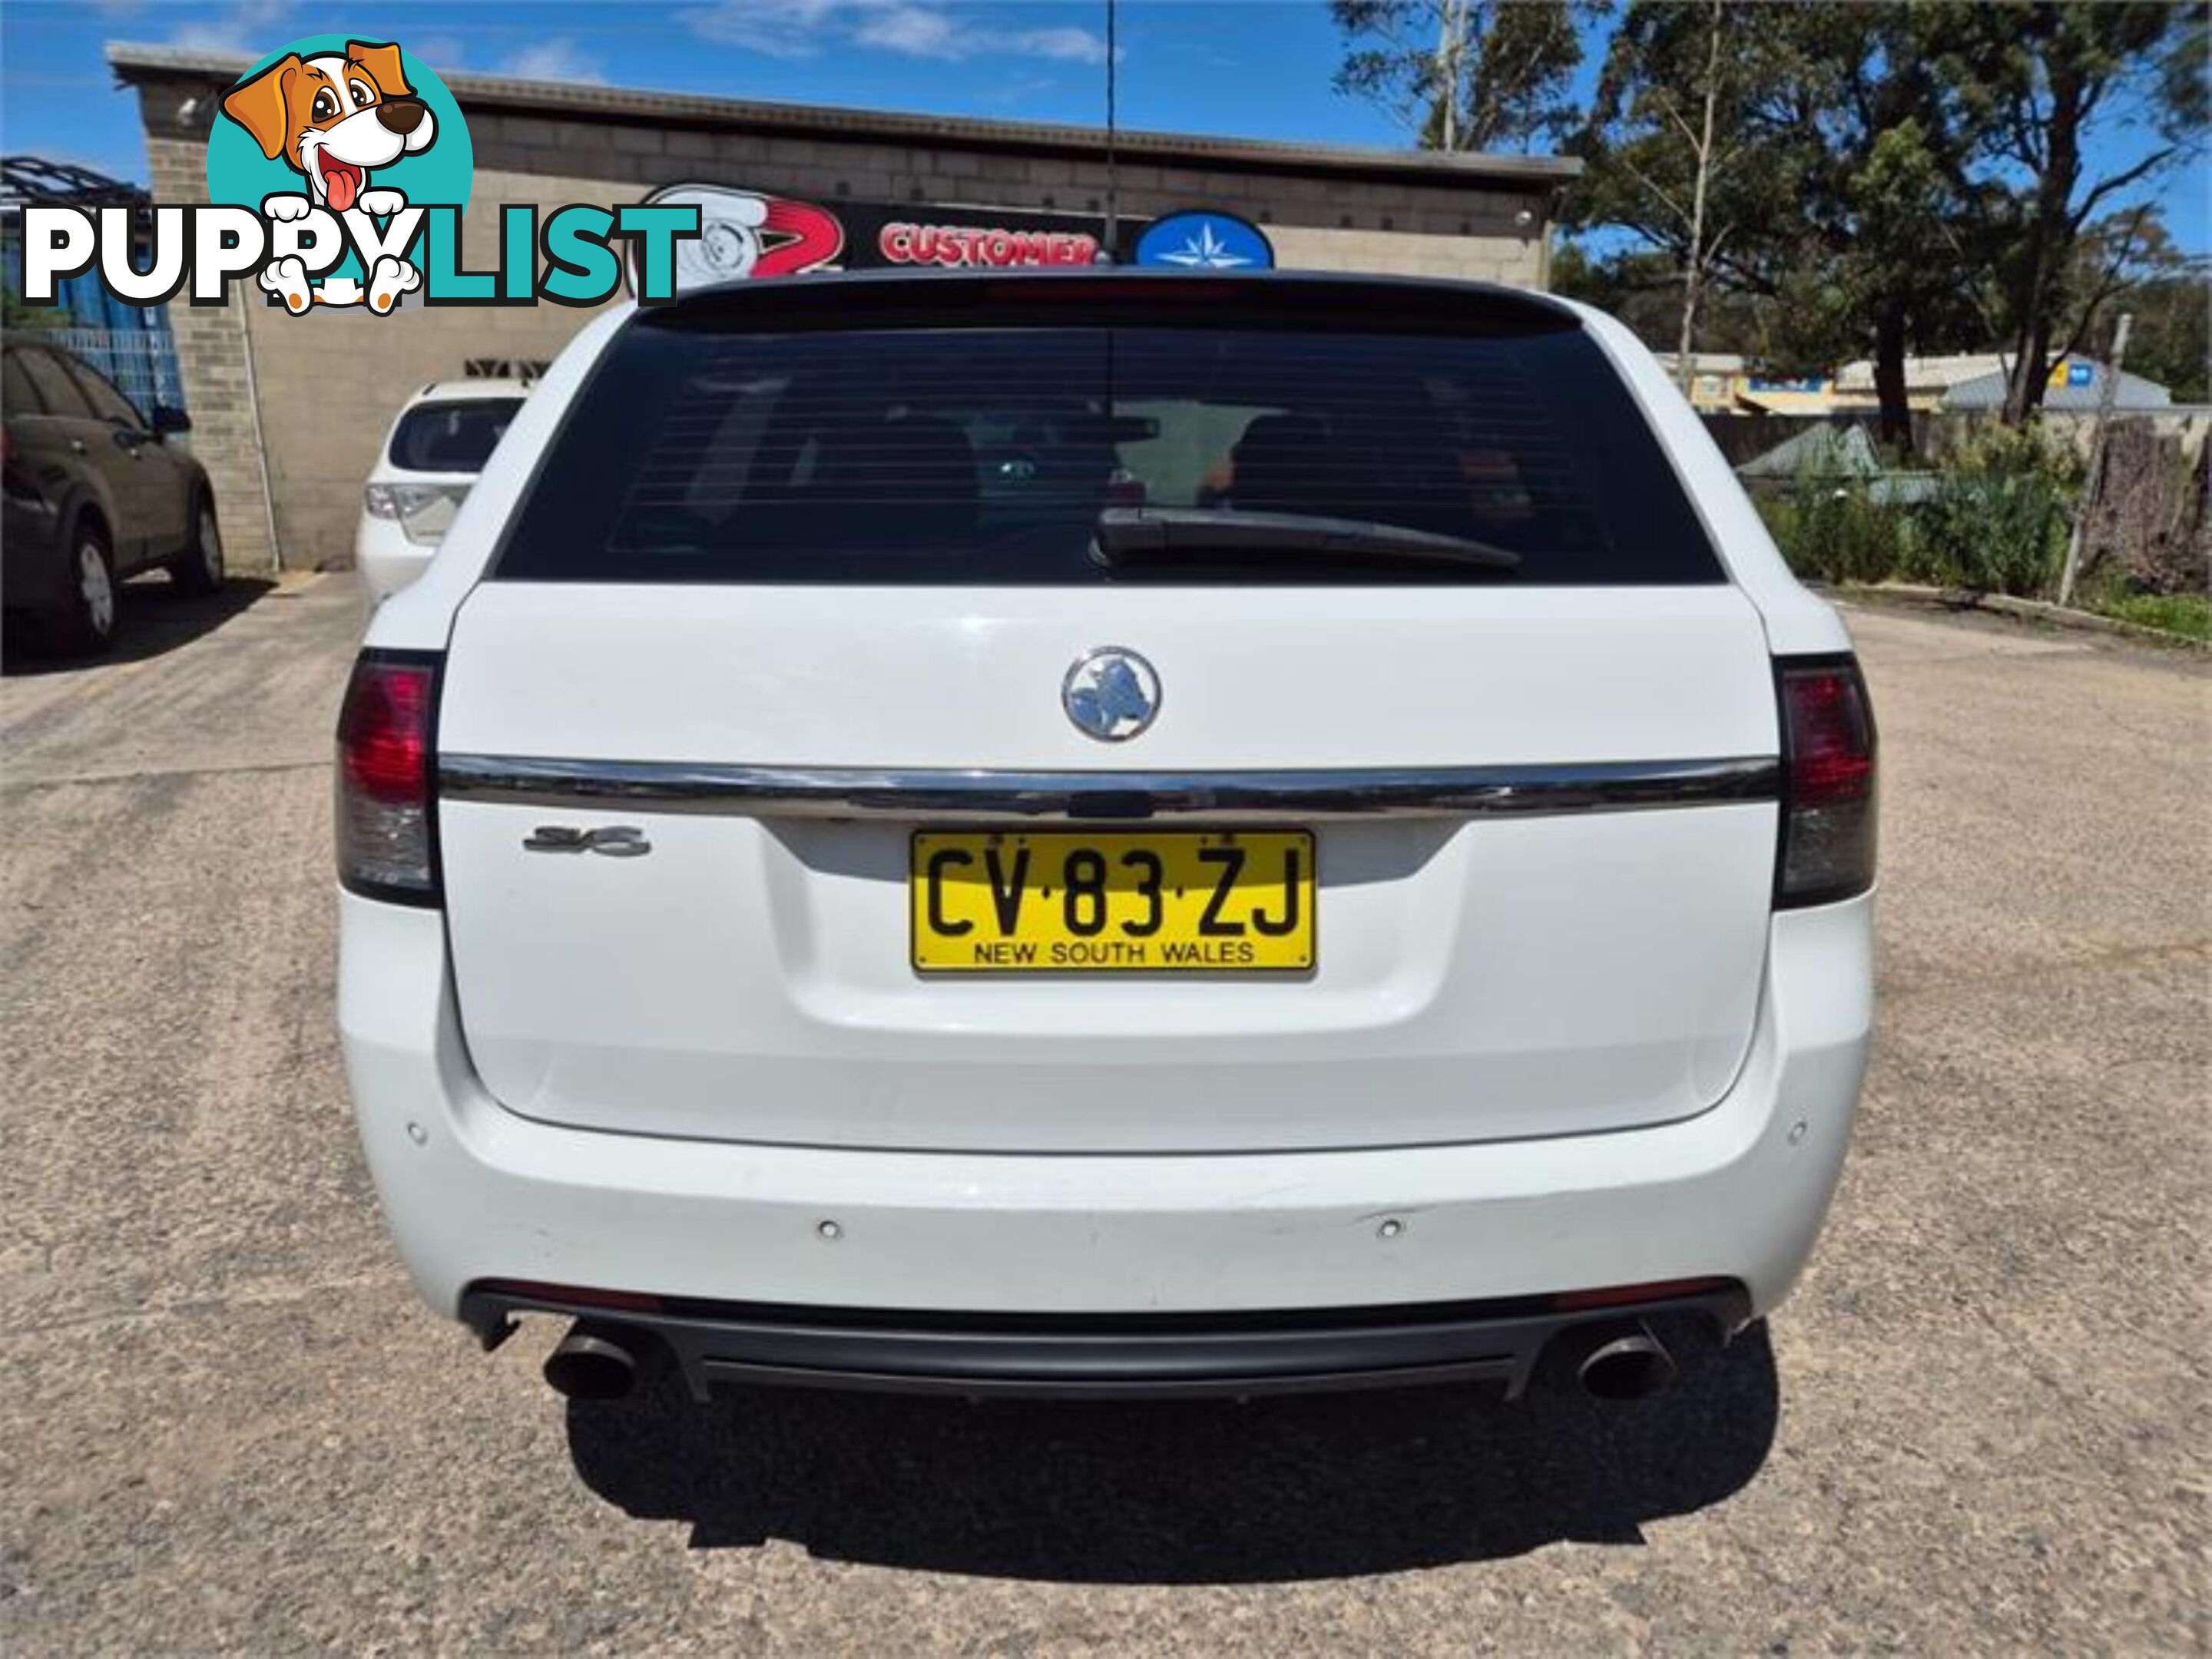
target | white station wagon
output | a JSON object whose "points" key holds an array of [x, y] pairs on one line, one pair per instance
{"points": [[438, 444], [1107, 832]]}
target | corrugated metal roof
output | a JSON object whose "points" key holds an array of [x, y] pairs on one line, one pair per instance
{"points": [[1922, 372], [134, 62], [1987, 392]]}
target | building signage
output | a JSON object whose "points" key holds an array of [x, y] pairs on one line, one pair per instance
{"points": [[935, 241], [744, 233], [1204, 240]]}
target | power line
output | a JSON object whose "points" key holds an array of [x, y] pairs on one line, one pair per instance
{"points": [[1113, 169]]}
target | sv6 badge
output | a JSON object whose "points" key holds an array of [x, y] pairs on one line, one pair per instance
{"points": [[616, 841]]}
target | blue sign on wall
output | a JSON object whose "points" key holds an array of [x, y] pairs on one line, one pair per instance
{"points": [[1204, 240]]}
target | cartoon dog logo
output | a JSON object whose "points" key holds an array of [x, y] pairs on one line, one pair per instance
{"points": [[333, 119]]}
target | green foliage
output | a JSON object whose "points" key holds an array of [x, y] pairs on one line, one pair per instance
{"points": [[1466, 75], [2036, 86], [2189, 614], [1891, 177], [17, 317], [1999, 521], [1829, 531], [2172, 299], [1643, 143]]}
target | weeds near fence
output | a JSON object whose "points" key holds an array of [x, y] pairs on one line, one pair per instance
{"points": [[1830, 532], [1994, 520], [2000, 516]]}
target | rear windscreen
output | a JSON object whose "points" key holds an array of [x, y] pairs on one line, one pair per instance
{"points": [[979, 454], [457, 435]]}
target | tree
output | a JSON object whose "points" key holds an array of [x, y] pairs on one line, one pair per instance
{"points": [[1670, 144], [1464, 74], [17, 314], [2170, 294], [2037, 83], [1878, 138], [1643, 288]]}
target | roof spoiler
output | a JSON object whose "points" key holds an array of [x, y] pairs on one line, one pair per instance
{"points": [[1105, 295]]}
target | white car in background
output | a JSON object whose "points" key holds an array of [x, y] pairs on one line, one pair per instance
{"points": [[430, 462], [1115, 832]]}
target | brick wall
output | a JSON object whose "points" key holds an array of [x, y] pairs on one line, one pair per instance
{"points": [[332, 381], [1444, 229], [218, 380]]}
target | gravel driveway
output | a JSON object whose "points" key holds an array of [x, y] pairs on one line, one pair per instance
{"points": [[225, 1423]]}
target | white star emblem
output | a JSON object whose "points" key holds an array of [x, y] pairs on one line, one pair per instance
{"points": [[1204, 250]]}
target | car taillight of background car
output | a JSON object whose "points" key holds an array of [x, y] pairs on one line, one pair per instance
{"points": [[423, 512]]}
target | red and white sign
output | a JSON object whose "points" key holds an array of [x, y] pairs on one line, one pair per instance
{"points": [[744, 233], [903, 244]]}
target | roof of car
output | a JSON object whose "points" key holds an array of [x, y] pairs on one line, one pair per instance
{"points": [[453, 390]]}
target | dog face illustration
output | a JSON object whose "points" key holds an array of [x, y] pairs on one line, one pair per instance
{"points": [[333, 117]]}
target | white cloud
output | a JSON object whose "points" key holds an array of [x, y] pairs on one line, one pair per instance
{"points": [[554, 58], [1064, 45], [932, 30], [775, 28], [912, 31], [444, 53]]}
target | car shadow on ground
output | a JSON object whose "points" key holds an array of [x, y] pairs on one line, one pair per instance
{"points": [[1282, 1489], [152, 617]]}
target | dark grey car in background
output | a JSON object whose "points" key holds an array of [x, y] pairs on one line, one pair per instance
{"points": [[95, 493]]}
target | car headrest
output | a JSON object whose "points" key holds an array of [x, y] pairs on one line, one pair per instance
{"points": [[922, 466], [1283, 464]]}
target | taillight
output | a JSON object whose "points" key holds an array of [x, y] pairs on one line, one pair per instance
{"points": [[423, 512], [1828, 782], [387, 729]]}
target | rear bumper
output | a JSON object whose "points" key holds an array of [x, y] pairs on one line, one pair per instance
{"points": [[384, 560], [474, 1193], [1097, 1355]]}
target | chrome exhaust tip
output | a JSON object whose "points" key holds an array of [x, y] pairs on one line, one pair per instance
{"points": [[1624, 1361], [593, 1362]]}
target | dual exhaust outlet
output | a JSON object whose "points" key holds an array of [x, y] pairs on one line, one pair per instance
{"points": [[1613, 1359]]}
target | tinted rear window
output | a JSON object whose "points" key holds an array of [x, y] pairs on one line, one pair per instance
{"points": [[451, 436], [985, 454]]}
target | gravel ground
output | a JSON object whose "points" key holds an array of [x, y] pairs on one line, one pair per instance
{"points": [[225, 1424]]}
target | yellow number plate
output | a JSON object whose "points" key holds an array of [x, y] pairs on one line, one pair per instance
{"points": [[1081, 901]]}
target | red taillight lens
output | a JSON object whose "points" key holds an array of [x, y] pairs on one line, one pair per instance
{"points": [[1828, 799], [386, 845]]}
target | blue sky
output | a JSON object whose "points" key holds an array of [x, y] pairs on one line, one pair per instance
{"points": [[1249, 68]]}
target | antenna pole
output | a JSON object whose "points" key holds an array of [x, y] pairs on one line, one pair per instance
{"points": [[1113, 171]]}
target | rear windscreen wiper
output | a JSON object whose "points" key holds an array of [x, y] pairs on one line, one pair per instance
{"points": [[1135, 535]]}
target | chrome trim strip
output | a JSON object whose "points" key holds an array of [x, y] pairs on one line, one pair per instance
{"points": [[968, 795]]}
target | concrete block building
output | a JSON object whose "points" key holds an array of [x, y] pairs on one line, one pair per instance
{"points": [[288, 412]]}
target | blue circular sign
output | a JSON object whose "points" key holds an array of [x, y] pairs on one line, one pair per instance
{"points": [[1202, 240]]}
